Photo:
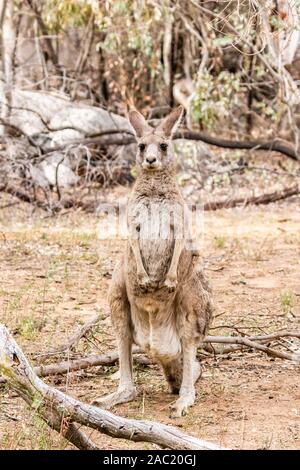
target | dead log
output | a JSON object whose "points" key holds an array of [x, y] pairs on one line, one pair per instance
{"points": [[68, 430], [94, 360], [266, 198], [63, 120], [22, 379]]}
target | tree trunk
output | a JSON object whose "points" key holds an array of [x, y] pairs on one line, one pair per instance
{"points": [[8, 40], [167, 57]]}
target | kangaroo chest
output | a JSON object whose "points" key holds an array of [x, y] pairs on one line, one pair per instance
{"points": [[158, 222]]}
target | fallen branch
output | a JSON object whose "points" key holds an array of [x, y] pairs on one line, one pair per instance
{"points": [[62, 204], [22, 378], [266, 198], [239, 347], [263, 199], [115, 137], [19, 130], [112, 358], [83, 331], [270, 145], [94, 360], [277, 335], [21, 195], [249, 343], [237, 343]]}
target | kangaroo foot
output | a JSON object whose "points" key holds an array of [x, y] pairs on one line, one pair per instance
{"points": [[180, 407], [123, 395]]}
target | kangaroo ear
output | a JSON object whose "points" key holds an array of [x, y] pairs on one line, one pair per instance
{"points": [[170, 123], [138, 122]]}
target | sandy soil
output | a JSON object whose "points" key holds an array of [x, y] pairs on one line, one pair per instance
{"points": [[54, 277]]}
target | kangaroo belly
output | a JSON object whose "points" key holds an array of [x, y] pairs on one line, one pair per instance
{"points": [[164, 343], [154, 330]]}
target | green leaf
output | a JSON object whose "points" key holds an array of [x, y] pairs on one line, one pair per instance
{"points": [[223, 41]]}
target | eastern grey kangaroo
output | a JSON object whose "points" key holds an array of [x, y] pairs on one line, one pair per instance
{"points": [[159, 298]]}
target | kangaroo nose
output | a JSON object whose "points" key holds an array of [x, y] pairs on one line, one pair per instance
{"points": [[151, 159]]}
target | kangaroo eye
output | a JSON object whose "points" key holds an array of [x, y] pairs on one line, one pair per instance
{"points": [[163, 147], [142, 147]]}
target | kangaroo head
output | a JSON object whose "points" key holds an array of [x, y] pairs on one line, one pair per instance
{"points": [[153, 143]]}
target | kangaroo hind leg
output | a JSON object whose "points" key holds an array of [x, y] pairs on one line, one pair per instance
{"points": [[190, 373], [121, 320], [173, 373]]}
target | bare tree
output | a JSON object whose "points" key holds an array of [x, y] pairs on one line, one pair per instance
{"points": [[8, 39]]}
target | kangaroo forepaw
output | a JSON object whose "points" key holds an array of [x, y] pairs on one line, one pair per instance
{"points": [[144, 281], [195, 252], [170, 283], [180, 407], [146, 284], [120, 396]]}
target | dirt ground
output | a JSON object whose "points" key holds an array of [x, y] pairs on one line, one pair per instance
{"points": [[55, 273]]}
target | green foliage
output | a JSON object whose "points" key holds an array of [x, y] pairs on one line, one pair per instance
{"points": [[136, 40], [220, 241], [59, 14], [215, 97], [267, 111], [29, 326], [287, 300], [276, 22], [127, 24], [130, 36], [222, 41]]}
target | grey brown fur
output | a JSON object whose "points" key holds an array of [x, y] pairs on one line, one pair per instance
{"points": [[159, 298]]}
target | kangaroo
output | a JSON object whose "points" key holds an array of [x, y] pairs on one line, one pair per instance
{"points": [[159, 298]]}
